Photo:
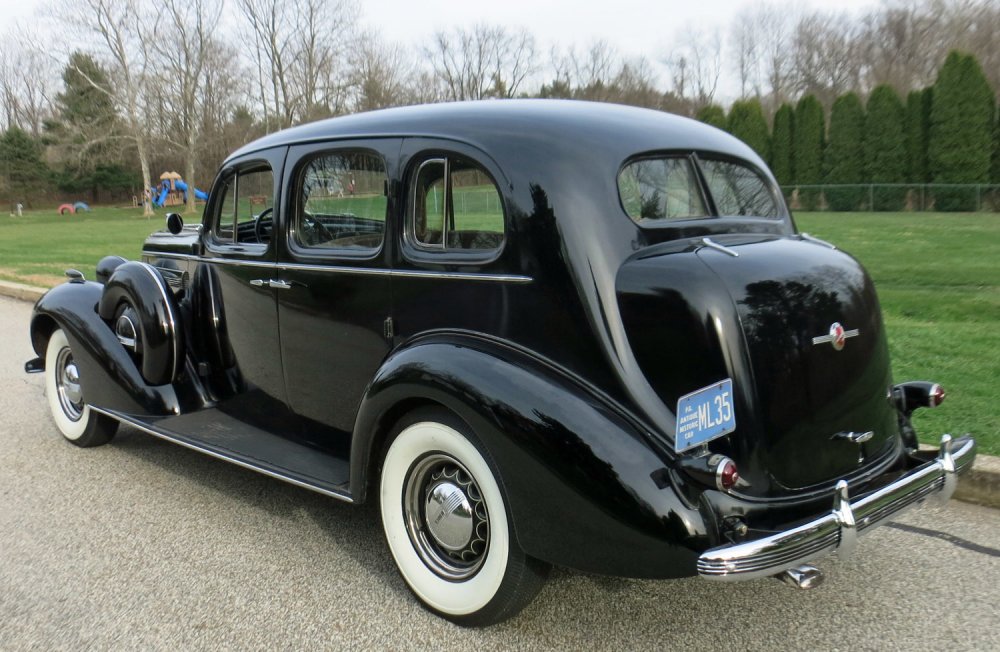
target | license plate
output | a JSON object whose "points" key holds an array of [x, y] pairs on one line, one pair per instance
{"points": [[704, 415]]}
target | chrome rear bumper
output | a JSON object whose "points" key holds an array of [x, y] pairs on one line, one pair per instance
{"points": [[838, 529]]}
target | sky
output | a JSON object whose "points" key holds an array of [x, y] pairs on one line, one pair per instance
{"points": [[633, 27]]}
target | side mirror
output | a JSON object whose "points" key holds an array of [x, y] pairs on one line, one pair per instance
{"points": [[174, 223]]}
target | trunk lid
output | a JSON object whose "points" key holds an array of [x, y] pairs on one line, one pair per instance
{"points": [[798, 397]]}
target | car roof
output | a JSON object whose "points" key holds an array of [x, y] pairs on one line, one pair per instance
{"points": [[567, 126]]}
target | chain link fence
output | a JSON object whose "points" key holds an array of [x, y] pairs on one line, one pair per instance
{"points": [[944, 197]]}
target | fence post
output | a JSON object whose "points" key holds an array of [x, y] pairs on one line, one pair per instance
{"points": [[923, 205], [871, 197], [979, 198]]}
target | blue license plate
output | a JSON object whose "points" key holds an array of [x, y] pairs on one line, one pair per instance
{"points": [[704, 415]]}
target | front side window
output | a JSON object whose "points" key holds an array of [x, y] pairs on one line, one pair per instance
{"points": [[342, 202], [455, 206], [245, 214], [661, 189]]}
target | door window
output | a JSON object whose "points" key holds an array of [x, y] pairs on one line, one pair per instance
{"points": [[247, 207], [455, 206], [342, 202]]}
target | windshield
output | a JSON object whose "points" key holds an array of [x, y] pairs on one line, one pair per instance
{"points": [[668, 188]]}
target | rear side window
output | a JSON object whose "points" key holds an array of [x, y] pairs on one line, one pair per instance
{"points": [[669, 188], [342, 202], [455, 206], [738, 190], [661, 189]]}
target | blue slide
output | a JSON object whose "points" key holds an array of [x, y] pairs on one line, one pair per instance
{"points": [[183, 187], [164, 190]]}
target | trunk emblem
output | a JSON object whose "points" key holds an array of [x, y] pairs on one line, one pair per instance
{"points": [[836, 337]]}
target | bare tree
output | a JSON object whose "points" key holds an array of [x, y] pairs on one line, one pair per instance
{"points": [[26, 86], [183, 57], [827, 55], [486, 61], [696, 65], [298, 47], [382, 74]]}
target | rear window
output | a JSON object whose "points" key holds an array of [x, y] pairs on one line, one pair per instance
{"points": [[668, 188]]}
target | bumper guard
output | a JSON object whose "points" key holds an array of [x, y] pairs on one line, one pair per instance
{"points": [[838, 530]]}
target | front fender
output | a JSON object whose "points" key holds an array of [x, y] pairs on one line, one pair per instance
{"points": [[110, 378], [576, 473]]}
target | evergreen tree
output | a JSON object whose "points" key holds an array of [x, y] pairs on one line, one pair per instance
{"points": [[782, 164], [21, 165], [995, 177], [808, 149], [918, 123], [885, 148], [85, 126], [844, 156], [712, 114], [746, 122], [960, 147]]}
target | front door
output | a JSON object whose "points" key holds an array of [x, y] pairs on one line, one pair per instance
{"points": [[240, 254], [334, 298]]}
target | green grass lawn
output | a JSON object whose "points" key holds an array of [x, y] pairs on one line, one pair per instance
{"points": [[938, 277], [39, 246]]}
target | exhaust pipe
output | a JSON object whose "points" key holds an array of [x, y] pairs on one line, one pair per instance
{"points": [[805, 576]]}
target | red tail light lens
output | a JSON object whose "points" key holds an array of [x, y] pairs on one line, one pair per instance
{"points": [[726, 475], [937, 396]]}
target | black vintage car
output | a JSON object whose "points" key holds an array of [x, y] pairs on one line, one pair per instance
{"points": [[535, 332]]}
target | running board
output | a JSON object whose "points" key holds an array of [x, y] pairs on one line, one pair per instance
{"points": [[313, 484]]}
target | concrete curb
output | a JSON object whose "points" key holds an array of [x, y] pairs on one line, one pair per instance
{"points": [[21, 291], [980, 485]]}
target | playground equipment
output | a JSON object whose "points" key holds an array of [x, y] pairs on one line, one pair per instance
{"points": [[73, 208], [172, 191]]}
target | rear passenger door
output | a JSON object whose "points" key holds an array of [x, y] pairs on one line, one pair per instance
{"points": [[334, 292], [454, 268]]}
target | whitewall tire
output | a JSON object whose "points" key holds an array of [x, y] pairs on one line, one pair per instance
{"points": [[447, 524], [64, 392]]}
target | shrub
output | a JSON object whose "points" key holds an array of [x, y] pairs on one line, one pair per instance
{"points": [[746, 122], [885, 148], [712, 115], [808, 149], [844, 157], [782, 164]]}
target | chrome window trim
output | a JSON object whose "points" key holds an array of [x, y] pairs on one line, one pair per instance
{"points": [[339, 269], [167, 436]]}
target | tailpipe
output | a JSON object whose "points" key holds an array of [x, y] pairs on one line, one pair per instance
{"points": [[805, 576]]}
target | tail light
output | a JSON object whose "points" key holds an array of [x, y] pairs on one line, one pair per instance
{"points": [[917, 394], [726, 475]]}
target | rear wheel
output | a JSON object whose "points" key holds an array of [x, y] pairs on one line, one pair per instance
{"points": [[448, 527], [64, 391]]}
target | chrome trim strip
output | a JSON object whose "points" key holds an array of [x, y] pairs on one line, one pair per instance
{"points": [[712, 244], [339, 269], [809, 238], [171, 328], [838, 529], [162, 434]]}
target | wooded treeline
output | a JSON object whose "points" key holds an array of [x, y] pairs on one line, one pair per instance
{"points": [[178, 84]]}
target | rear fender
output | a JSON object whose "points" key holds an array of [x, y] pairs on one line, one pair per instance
{"points": [[578, 476], [110, 378]]}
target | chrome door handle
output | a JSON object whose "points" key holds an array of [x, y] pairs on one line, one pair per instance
{"points": [[271, 283]]}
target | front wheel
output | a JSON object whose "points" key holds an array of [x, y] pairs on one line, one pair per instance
{"points": [[447, 525], [64, 391]]}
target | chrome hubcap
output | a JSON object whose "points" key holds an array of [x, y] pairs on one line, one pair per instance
{"points": [[68, 385], [446, 517]]}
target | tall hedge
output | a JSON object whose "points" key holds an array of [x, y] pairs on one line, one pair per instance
{"points": [[960, 147], [808, 149], [995, 177], [885, 148], [713, 114], [782, 163], [844, 160], [746, 122], [918, 124]]}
